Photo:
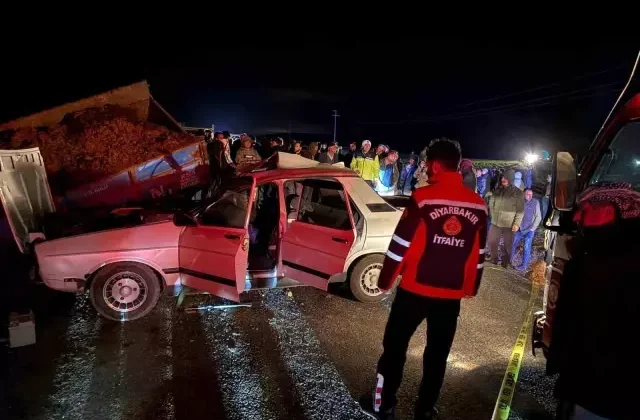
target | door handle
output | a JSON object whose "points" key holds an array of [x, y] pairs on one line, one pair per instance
{"points": [[231, 236], [342, 241]]}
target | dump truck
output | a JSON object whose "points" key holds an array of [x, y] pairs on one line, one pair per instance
{"points": [[87, 181]]}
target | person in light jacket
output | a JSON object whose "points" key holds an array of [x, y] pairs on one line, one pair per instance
{"points": [[506, 208], [421, 176], [366, 164], [530, 220], [388, 174]]}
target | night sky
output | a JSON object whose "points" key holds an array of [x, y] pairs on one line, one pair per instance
{"points": [[499, 99]]}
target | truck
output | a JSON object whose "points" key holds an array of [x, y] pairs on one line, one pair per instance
{"points": [[591, 288], [74, 198]]}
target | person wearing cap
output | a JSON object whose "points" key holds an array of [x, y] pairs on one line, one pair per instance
{"points": [[331, 155], [506, 208], [468, 175], [366, 164]]}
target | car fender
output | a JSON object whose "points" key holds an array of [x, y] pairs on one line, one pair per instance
{"points": [[138, 260], [353, 258]]}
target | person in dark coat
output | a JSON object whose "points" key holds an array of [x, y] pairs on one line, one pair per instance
{"points": [[407, 180], [312, 151], [220, 163], [331, 155], [468, 174], [348, 157]]}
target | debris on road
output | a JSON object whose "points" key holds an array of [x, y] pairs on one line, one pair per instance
{"points": [[22, 329], [210, 307]]}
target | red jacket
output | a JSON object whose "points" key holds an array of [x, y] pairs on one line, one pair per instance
{"points": [[438, 245]]}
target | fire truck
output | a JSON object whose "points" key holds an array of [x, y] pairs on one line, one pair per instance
{"points": [[591, 291]]}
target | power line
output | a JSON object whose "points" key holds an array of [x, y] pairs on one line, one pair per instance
{"points": [[537, 88], [498, 108]]}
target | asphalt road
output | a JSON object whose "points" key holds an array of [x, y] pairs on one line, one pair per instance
{"points": [[308, 355]]}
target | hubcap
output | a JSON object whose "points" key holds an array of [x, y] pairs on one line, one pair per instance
{"points": [[369, 279], [125, 291]]}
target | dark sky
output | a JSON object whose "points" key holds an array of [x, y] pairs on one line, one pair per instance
{"points": [[498, 98]]}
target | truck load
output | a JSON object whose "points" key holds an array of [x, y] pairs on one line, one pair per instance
{"points": [[116, 149], [113, 149]]}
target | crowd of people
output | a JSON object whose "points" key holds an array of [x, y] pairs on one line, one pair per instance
{"points": [[514, 215]]}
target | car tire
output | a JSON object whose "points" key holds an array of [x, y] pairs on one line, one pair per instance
{"points": [[125, 291], [363, 274]]}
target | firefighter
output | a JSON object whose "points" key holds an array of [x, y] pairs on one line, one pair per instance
{"points": [[438, 248]]}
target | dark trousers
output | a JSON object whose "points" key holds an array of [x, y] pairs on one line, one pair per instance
{"points": [[407, 312], [494, 238]]}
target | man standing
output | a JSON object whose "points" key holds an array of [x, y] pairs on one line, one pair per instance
{"points": [[246, 155], [438, 248], [421, 176], [468, 174], [381, 151], [366, 164], [388, 174], [220, 163], [312, 151], [348, 158], [406, 183], [481, 177], [506, 208], [297, 147], [331, 155], [530, 220]]}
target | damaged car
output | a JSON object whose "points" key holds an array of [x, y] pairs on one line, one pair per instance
{"points": [[297, 223]]}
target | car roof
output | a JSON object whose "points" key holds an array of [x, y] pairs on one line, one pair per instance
{"points": [[323, 171]]}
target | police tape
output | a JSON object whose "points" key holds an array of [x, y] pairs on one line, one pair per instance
{"points": [[503, 404]]}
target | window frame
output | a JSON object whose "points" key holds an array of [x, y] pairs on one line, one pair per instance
{"points": [[345, 199], [607, 154]]}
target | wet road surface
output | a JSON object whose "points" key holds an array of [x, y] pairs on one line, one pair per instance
{"points": [[306, 356]]}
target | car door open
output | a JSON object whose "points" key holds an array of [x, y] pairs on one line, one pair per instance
{"points": [[316, 244], [213, 253]]}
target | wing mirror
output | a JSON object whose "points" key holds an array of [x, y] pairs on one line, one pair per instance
{"points": [[183, 219], [565, 182]]}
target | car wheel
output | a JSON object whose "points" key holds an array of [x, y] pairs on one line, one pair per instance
{"points": [[364, 279], [125, 291]]}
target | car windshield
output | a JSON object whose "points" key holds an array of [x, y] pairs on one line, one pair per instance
{"points": [[621, 163]]}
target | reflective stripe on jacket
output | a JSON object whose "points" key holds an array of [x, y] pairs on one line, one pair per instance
{"points": [[367, 165], [438, 245]]}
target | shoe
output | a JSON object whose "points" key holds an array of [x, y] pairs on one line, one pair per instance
{"points": [[427, 415], [494, 262], [366, 404]]}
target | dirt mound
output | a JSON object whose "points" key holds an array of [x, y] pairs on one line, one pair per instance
{"points": [[96, 142]]}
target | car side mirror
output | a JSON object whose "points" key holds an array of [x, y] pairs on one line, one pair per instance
{"points": [[565, 182], [183, 219]]}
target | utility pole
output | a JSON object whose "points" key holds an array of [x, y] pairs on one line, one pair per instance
{"points": [[335, 123]]}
